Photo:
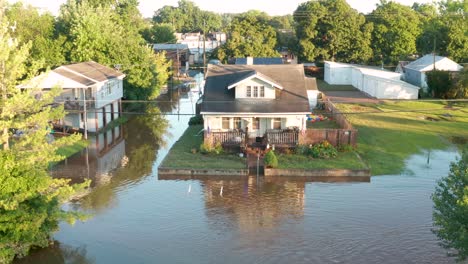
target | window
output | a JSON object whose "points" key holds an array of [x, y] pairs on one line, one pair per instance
{"points": [[256, 123], [262, 91], [255, 93], [249, 91], [225, 124], [109, 88], [237, 123], [276, 123]]}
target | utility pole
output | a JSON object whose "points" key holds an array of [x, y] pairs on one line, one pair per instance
{"points": [[434, 54], [204, 51], [85, 118]]}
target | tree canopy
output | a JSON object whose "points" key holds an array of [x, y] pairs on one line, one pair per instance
{"points": [[30, 199], [103, 35], [396, 28], [249, 35], [332, 30], [451, 207], [187, 17]]}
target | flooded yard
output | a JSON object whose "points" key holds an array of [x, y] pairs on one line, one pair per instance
{"points": [[138, 217]]}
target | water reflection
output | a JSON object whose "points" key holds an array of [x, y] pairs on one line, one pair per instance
{"points": [[58, 253], [121, 156], [254, 203]]}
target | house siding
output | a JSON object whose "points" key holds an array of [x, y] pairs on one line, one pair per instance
{"points": [[413, 77]]}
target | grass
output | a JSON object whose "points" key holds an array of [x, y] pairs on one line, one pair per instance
{"points": [[68, 151], [391, 131], [324, 87], [181, 156], [345, 160]]}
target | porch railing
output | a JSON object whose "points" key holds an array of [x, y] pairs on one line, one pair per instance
{"points": [[289, 137], [228, 137]]}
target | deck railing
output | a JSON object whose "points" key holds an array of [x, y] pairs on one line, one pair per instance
{"points": [[289, 137], [228, 137]]}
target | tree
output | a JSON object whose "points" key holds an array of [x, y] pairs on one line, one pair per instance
{"points": [[460, 86], [439, 83], [332, 30], [249, 36], [451, 207], [30, 200], [39, 29], [160, 33], [187, 17], [396, 28], [101, 34]]}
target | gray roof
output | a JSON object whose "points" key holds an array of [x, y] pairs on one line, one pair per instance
{"points": [[170, 46], [93, 71], [426, 63], [293, 97], [260, 61], [311, 83]]}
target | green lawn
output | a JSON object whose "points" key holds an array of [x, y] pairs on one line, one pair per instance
{"points": [[345, 160], [322, 124], [181, 156], [324, 86], [397, 130], [72, 149]]}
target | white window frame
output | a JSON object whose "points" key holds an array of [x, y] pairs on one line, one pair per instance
{"points": [[275, 122], [255, 91], [248, 92], [262, 91]]}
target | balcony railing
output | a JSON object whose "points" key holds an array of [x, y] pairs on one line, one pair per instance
{"points": [[280, 137], [228, 137], [78, 105]]}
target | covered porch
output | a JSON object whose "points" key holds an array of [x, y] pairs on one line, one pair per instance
{"points": [[255, 131]]}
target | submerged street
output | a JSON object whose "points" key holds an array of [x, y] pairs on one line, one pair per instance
{"points": [[138, 217]]}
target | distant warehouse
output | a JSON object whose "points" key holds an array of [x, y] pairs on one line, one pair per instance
{"points": [[377, 83]]}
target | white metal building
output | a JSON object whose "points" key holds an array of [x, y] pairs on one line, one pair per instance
{"points": [[380, 84]]}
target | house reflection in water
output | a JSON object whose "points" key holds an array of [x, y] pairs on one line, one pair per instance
{"points": [[251, 204], [105, 153]]}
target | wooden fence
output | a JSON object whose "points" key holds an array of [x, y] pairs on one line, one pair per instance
{"points": [[282, 137], [346, 135], [229, 137]]}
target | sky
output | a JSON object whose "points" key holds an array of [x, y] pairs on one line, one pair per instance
{"points": [[272, 7]]}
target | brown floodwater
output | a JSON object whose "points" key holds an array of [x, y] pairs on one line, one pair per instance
{"points": [[138, 217]]}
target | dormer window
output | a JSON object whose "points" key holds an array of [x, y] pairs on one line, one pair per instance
{"points": [[249, 91], [262, 91], [255, 93]]}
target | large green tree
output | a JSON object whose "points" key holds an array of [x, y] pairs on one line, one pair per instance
{"points": [[188, 17], [332, 30], [159, 33], [39, 29], [102, 34], [396, 28], [30, 200], [451, 207], [249, 35]]}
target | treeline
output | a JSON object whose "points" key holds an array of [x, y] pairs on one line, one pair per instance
{"points": [[106, 31], [332, 30]]}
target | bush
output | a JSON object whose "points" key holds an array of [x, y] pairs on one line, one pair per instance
{"points": [[196, 120], [270, 159], [322, 150], [205, 148], [218, 148]]}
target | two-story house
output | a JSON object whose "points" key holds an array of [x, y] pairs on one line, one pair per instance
{"points": [[247, 103], [92, 93]]}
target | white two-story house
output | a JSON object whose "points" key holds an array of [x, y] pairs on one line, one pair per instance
{"points": [[89, 84], [247, 102]]}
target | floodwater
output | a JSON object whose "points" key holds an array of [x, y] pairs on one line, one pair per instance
{"points": [[140, 218]]}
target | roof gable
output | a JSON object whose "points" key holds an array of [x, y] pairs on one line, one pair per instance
{"points": [[255, 75]]}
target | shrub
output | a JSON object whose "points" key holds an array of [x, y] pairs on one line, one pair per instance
{"points": [[270, 159], [205, 148], [322, 150], [196, 120], [218, 148], [345, 148]]}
